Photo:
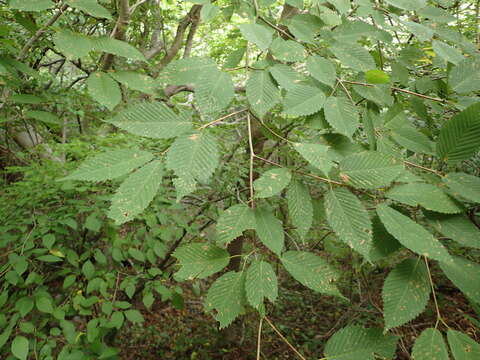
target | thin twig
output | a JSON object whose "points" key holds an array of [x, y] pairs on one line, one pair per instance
{"points": [[252, 157], [259, 338], [437, 309], [422, 167], [220, 119], [284, 339]]}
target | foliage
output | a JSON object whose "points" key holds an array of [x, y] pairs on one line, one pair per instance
{"points": [[113, 169]]}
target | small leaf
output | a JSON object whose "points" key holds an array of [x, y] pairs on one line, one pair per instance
{"points": [[349, 219], [316, 154], [194, 156], [233, 222], [208, 12], [257, 34], [311, 271], [463, 273], [272, 182], [287, 50], [408, 4], [412, 235], [134, 316], [377, 77], [353, 56], [465, 185], [342, 115], [428, 196], [110, 165], [186, 71], [465, 77], [20, 347], [260, 283], [104, 89], [153, 120], [226, 296], [354, 343], [73, 45], [136, 192], [447, 52], [135, 81], [117, 47], [262, 93], [199, 260], [214, 92], [300, 207], [322, 69], [463, 346], [370, 169], [91, 7], [430, 345], [457, 227], [459, 137], [405, 293], [31, 5], [269, 230], [303, 100]]}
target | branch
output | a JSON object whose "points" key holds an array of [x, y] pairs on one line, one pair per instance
{"points": [[173, 50], [191, 34], [119, 30], [24, 52]]}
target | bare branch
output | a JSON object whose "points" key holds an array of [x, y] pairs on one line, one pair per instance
{"points": [[119, 30]]}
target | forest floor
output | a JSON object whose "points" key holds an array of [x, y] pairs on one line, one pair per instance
{"points": [[305, 318]]}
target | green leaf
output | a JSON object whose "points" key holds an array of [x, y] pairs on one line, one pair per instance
{"points": [[422, 32], [257, 34], [457, 227], [260, 283], [24, 305], [194, 155], [154, 120], [73, 45], [349, 219], [269, 230], [134, 316], [184, 186], [316, 154], [287, 50], [26, 99], [137, 254], [118, 48], [43, 116], [407, 4], [208, 12], [20, 347], [214, 92], [467, 186], [322, 69], [465, 77], [377, 77], [311, 271], [186, 71], [370, 169], [459, 138], [199, 260], [428, 196], [304, 27], [285, 76], [300, 207], [342, 115], [379, 93], [463, 346], [88, 269], [135, 81], [91, 7], [44, 304], [447, 52], [413, 140], [383, 243], [343, 6], [303, 100], [330, 17], [31, 5], [353, 56], [354, 342], [136, 192], [464, 274], [430, 345], [233, 222], [272, 182], [226, 296], [110, 165], [104, 89], [295, 3], [412, 235], [262, 93], [405, 293]]}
